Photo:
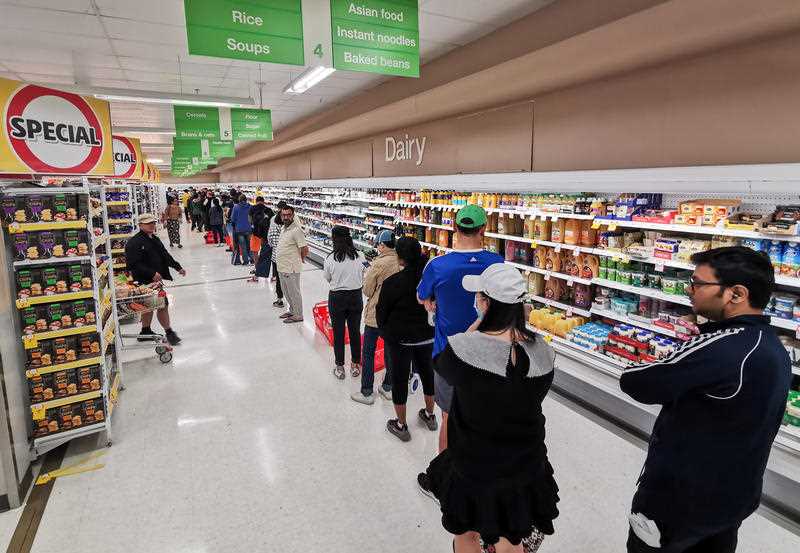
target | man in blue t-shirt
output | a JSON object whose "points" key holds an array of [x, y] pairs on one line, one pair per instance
{"points": [[443, 294]]}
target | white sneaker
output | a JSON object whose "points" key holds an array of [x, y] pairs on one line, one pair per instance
{"points": [[385, 394], [359, 397]]}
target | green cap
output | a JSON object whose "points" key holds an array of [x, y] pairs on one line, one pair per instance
{"points": [[471, 216]]}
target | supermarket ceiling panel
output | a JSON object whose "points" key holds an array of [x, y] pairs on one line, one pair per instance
{"points": [[142, 46]]}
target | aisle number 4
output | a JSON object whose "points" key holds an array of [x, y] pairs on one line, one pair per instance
{"points": [[318, 51]]}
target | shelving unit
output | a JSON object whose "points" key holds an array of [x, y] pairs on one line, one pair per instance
{"points": [[52, 351]]}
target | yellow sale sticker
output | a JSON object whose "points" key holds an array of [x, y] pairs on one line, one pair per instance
{"points": [[38, 411]]}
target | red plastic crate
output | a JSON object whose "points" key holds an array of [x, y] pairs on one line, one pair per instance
{"points": [[322, 320]]}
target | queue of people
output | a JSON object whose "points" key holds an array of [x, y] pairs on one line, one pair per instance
{"points": [[459, 322]]}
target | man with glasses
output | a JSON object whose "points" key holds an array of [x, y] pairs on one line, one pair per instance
{"points": [[723, 395]]}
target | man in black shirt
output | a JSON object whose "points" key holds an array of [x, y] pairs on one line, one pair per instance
{"points": [[149, 261], [723, 396]]}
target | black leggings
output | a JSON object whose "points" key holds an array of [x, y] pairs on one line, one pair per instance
{"points": [[400, 357], [216, 230], [345, 306]]}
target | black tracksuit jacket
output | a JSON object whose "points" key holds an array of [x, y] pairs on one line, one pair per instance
{"points": [[723, 395]]}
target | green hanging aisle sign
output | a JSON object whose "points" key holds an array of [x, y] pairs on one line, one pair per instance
{"points": [[224, 124], [268, 31], [203, 148], [376, 36]]}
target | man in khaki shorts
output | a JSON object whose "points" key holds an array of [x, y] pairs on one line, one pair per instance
{"points": [[290, 256]]}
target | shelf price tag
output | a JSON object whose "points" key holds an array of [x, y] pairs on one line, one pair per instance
{"points": [[569, 312], [534, 244], [570, 282], [576, 252], [660, 267], [612, 227], [547, 276], [558, 248], [30, 342], [38, 411], [797, 332], [32, 373], [23, 303], [548, 338], [555, 218]]}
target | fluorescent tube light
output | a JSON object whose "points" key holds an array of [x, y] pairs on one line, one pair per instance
{"points": [[143, 130], [188, 101], [308, 78], [154, 160]]}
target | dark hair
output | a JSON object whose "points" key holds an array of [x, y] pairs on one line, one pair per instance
{"points": [[215, 201], [259, 199], [242, 198], [282, 204], [172, 200], [409, 251], [737, 265], [468, 231], [502, 316], [288, 208], [342, 244]]}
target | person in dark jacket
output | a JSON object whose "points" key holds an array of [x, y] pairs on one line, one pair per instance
{"points": [[260, 217], [407, 336], [149, 262], [723, 395], [242, 229], [215, 221]]}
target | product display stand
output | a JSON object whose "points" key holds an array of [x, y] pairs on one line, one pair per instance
{"points": [[63, 298]]}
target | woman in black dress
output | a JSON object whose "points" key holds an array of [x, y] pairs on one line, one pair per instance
{"points": [[494, 482]]}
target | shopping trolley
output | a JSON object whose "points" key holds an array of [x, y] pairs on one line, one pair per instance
{"points": [[131, 303]]}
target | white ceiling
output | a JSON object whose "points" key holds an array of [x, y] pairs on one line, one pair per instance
{"points": [[141, 45]]}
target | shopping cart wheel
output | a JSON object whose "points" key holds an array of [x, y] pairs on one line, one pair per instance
{"points": [[165, 357], [108, 443], [161, 350]]}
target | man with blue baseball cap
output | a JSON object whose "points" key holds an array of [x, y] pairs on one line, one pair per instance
{"points": [[384, 266]]}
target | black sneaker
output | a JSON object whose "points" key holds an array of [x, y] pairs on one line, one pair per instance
{"points": [[146, 335], [173, 338], [428, 420], [399, 430], [277, 303], [424, 484]]}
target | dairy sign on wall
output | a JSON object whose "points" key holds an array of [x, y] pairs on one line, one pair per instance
{"points": [[128, 162], [53, 132]]}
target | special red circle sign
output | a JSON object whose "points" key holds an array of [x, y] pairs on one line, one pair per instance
{"points": [[124, 157], [53, 131]]}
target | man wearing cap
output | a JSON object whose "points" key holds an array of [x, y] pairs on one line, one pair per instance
{"points": [[381, 268], [443, 294], [149, 261]]}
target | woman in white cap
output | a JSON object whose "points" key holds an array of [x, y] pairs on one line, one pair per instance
{"points": [[494, 482]]}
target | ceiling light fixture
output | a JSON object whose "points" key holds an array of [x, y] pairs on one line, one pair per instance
{"points": [[143, 130], [187, 101], [154, 160], [308, 78]]}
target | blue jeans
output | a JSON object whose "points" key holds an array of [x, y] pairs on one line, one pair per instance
{"points": [[242, 245], [264, 260], [371, 335]]}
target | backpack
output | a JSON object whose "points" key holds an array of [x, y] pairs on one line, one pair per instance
{"points": [[261, 223]]}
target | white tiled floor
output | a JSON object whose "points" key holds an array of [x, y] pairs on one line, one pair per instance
{"points": [[246, 442]]}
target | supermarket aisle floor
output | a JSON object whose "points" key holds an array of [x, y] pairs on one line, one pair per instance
{"points": [[246, 442]]}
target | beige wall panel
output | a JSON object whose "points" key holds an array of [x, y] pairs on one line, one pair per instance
{"points": [[349, 160], [298, 167], [496, 141], [440, 154], [732, 107], [272, 170]]}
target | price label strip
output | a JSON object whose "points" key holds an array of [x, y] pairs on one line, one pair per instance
{"points": [[75, 468]]}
